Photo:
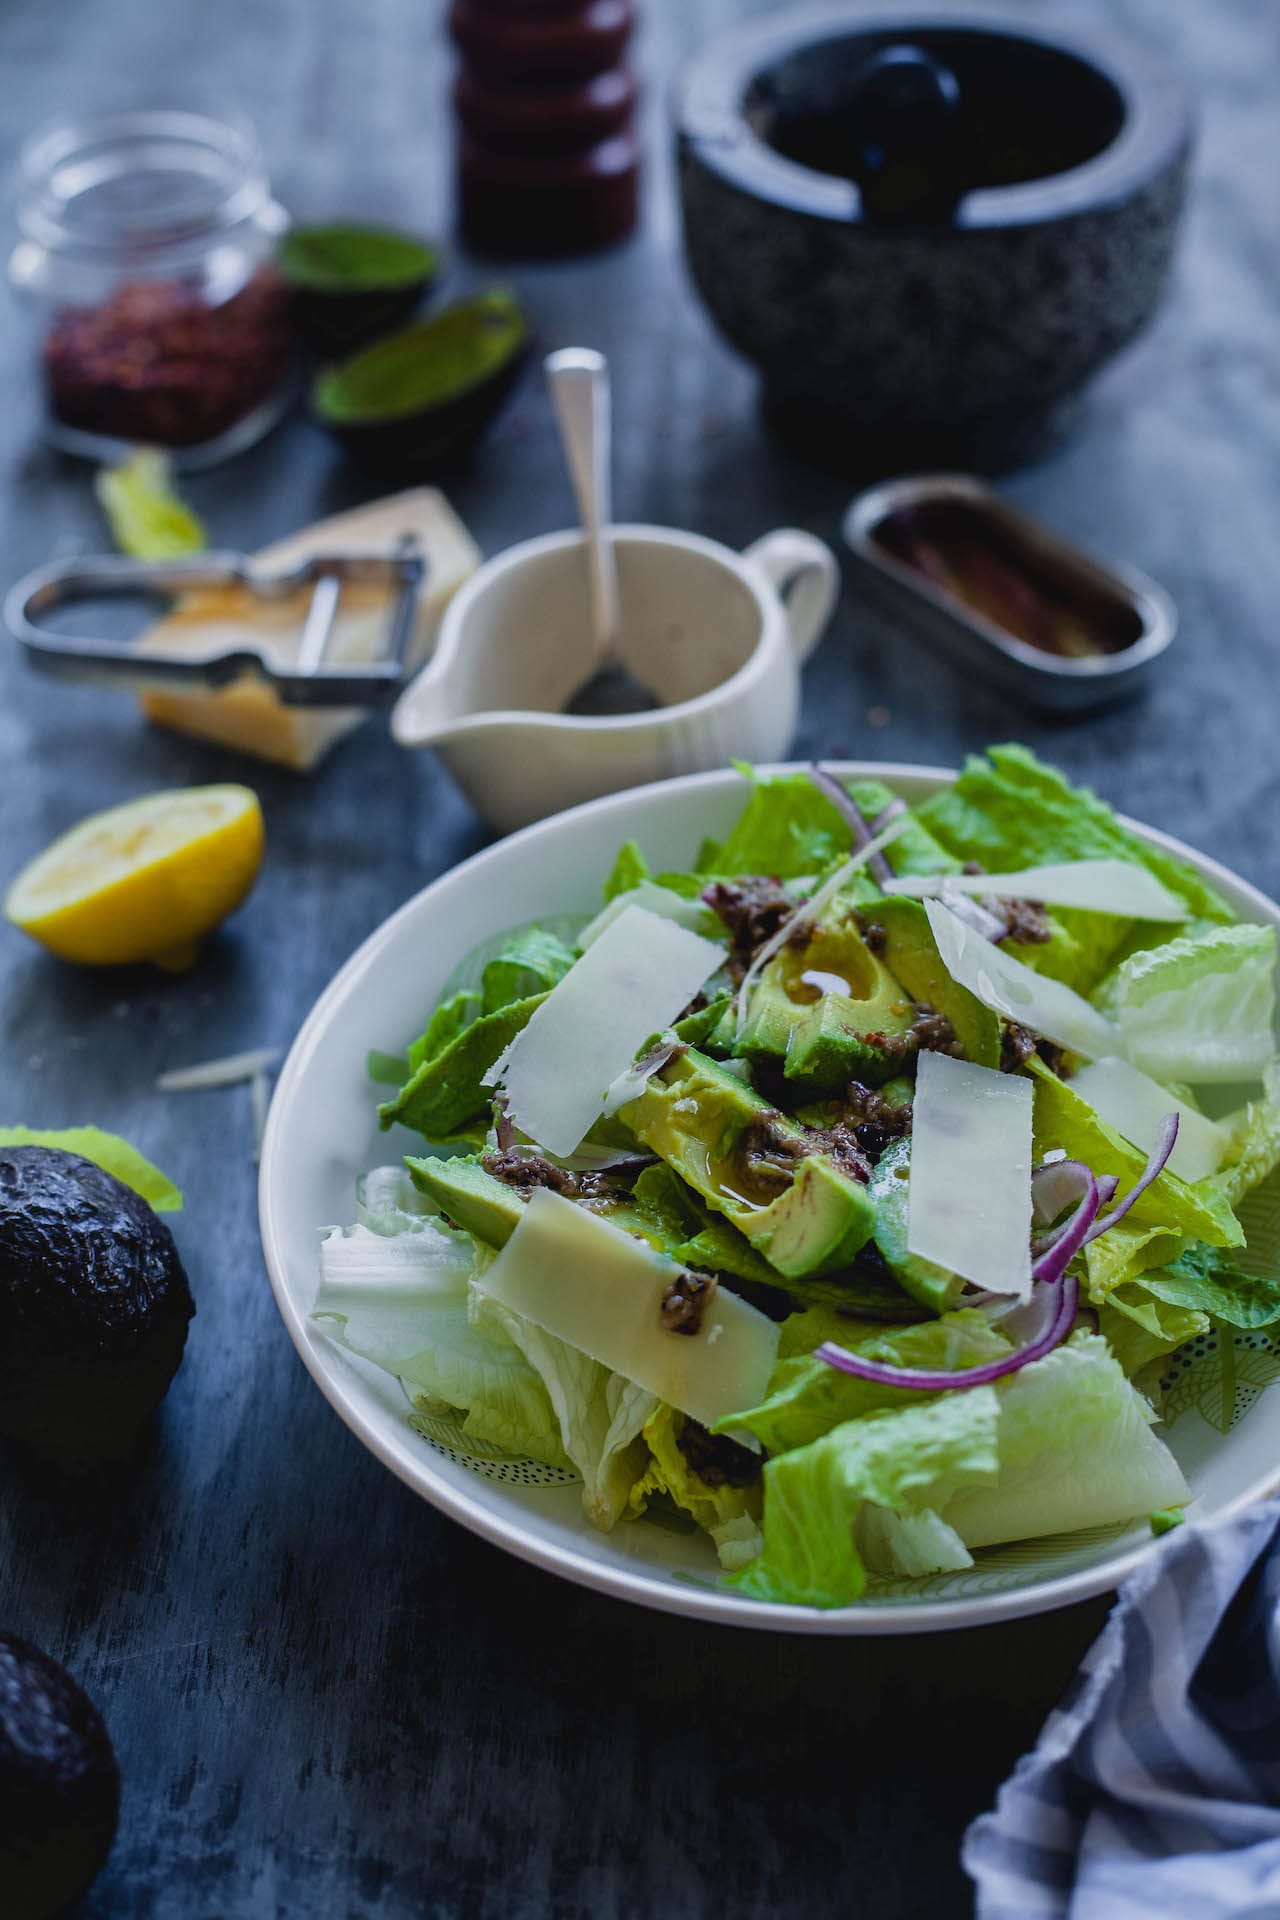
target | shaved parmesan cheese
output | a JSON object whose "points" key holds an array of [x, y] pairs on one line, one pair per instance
{"points": [[1008, 987], [969, 1202], [599, 1290], [654, 899], [634, 980], [1135, 1105], [1098, 886], [227, 1072]]}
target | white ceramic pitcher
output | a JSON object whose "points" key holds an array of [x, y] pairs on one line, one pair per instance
{"points": [[719, 636]]}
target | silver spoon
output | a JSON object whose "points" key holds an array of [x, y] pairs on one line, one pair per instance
{"points": [[579, 381]]}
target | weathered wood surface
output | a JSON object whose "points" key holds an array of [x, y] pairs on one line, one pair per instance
{"points": [[326, 1699]]}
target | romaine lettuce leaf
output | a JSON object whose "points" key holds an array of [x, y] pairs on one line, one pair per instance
{"points": [[600, 1414], [532, 963], [401, 1301], [1254, 1153], [787, 828], [731, 1515], [1198, 1008], [1206, 1281], [629, 869], [1008, 810], [1076, 1450], [910, 1460], [106, 1150], [807, 1398], [452, 1017]]}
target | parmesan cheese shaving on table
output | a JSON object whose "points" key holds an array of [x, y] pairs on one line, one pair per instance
{"points": [[249, 715]]}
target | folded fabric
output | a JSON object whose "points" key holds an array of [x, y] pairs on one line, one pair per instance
{"points": [[1154, 1789]]}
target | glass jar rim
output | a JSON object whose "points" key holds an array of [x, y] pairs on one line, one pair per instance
{"points": [[62, 160]]}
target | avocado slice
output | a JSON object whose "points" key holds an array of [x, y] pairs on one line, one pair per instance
{"points": [[448, 1088], [912, 957], [825, 1010], [933, 1286], [478, 1202], [700, 1118]]}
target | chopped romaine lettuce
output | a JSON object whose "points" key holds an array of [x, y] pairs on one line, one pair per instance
{"points": [[600, 1414], [1076, 1450], [106, 1150], [807, 1397], [532, 964], [909, 1461], [1135, 1105], [629, 869], [663, 901], [731, 1515], [402, 1302], [1199, 1008], [1206, 1280]]}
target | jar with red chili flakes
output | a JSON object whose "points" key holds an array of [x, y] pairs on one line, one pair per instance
{"points": [[146, 256]]}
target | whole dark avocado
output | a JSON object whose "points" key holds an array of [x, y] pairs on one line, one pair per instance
{"points": [[59, 1785], [94, 1306]]}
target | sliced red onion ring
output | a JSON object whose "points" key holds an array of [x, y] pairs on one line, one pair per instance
{"points": [[896, 806], [1166, 1139], [1054, 1186], [877, 866], [1065, 1300]]}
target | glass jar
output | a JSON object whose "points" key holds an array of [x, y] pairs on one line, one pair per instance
{"points": [[145, 259]]}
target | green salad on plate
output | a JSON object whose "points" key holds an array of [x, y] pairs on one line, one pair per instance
{"points": [[850, 1191]]}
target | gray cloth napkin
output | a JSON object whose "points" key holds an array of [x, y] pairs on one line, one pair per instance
{"points": [[1154, 1790]]}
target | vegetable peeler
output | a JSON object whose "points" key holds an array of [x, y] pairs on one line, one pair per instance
{"points": [[306, 681]]}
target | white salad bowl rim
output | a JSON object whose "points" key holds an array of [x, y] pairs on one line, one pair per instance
{"points": [[393, 1442]]}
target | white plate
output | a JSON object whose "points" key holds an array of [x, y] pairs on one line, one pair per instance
{"points": [[322, 1132]]}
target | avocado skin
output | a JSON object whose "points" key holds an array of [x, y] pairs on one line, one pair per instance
{"points": [[911, 955], [59, 1785], [94, 1307]]}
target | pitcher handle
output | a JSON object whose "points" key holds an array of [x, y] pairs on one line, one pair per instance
{"points": [[806, 576]]}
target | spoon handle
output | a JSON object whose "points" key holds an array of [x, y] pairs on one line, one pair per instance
{"points": [[579, 381]]}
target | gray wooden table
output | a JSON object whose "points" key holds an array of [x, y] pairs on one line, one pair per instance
{"points": [[326, 1699]]}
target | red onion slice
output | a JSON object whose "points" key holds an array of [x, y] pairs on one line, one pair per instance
{"points": [[877, 866], [1066, 1299], [987, 925], [1166, 1140]]}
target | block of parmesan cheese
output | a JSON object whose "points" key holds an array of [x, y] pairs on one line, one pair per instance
{"points": [[248, 714]]}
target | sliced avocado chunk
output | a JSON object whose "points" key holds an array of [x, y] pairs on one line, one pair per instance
{"points": [[448, 1088], [912, 957], [705, 1123], [480, 1203], [933, 1286], [825, 1010]]}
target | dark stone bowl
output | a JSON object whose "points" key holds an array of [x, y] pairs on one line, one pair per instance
{"points": [[887, 344]]}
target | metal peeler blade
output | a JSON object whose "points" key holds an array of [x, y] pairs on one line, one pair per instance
{"points": [[308, 683]]}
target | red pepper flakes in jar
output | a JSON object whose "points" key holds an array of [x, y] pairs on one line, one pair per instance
{"points": [[147, 252], [156, 363]]}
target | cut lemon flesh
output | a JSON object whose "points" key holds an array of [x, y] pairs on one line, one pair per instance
{"points": [[145, 881]]}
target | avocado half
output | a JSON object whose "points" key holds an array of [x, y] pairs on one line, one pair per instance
{"points": [[94, 1307], [350, 284], [59, 1785], [422, 396]]}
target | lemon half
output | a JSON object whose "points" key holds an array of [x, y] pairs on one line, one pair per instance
{"points": [[145, 881]]}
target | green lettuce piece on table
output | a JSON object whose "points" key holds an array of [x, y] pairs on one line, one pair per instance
{"points": [[108, 1151], [146, 517], [731, 1515], [908, 1461]]}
